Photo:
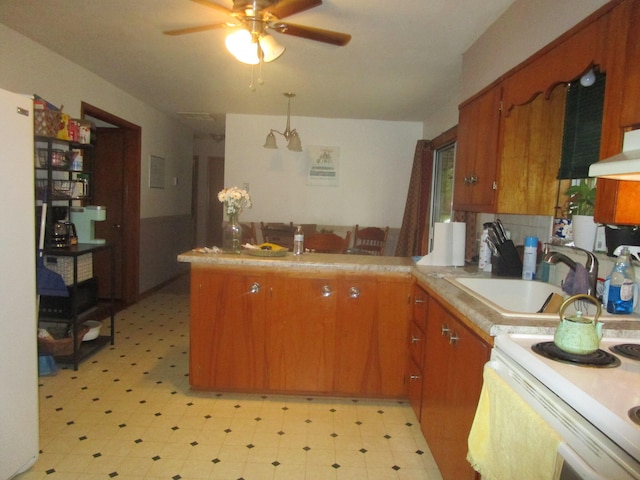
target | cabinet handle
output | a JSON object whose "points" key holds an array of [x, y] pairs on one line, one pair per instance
{"points": [[354, 292], [419, 300], [326, 291], [255, 287], [414, 377], [414, 339], [444, 330], [471, 179], [453, 339]]}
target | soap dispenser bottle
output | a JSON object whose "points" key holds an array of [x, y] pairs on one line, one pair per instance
{"points": [[621, 288]]}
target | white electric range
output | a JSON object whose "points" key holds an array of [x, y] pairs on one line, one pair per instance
{"points": [[590, 407]]}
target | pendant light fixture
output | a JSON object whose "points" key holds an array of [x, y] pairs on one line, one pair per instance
{"points": [[294, 144]]}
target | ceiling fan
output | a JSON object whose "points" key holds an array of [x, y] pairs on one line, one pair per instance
{"points": [[257, 17]]}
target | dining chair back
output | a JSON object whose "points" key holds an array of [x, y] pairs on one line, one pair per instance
{"points": [[370, 240], [327, 243]]}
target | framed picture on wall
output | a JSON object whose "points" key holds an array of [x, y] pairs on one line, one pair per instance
{"points": [[323, 166]]}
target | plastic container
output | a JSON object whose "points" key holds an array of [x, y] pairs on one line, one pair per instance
{"points": [[529, 260], [620, 288], [298, 241]]}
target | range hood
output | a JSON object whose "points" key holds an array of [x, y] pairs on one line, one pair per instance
{"points": [[625, 165]]}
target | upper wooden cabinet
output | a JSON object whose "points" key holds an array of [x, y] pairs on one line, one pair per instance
{"points": [[517, 145], [477, 152], [507, 162], [530, 154], [616, 201]]}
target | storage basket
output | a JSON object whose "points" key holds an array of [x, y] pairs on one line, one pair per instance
{"points": [[46, 122], [63, 266], [62, 343]]}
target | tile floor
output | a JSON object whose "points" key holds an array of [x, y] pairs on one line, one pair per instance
{"points": [[128, 413]]}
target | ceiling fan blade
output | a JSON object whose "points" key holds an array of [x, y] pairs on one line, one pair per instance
{"points": [[215, 6], [286, 8], [312, 33], [202, 28]]}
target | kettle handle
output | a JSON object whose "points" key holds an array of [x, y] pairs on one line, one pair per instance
{"points": [[584, 296]]}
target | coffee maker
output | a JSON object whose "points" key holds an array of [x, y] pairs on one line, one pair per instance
{"points": [[62, 233], [84, 219]]}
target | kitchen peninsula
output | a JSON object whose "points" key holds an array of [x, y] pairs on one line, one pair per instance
{"points": [[352, 325], [326, 323]]}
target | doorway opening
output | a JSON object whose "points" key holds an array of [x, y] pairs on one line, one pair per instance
{"points": [[117, 160]]}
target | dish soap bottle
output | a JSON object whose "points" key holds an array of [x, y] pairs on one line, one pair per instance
{"points": [[298, 241], [621, 285]]}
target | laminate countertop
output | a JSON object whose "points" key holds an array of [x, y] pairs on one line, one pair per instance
{"points": [[479, 317]]}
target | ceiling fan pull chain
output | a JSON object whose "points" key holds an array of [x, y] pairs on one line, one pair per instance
{"points": [[260, 79], [252, 85]]}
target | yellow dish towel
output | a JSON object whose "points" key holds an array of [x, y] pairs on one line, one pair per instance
{"points": [[508, 439]]}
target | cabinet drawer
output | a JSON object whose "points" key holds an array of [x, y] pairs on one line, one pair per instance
{"points": [[420, 305], [416, 345], [414, 388]]}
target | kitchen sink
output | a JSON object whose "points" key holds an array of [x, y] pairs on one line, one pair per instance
{"points": [[512, 297]]}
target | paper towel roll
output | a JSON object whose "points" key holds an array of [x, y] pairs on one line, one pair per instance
{"points": [[448, 245], [458, 246]]}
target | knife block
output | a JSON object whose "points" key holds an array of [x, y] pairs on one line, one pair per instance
{"points": [[508, 263]]}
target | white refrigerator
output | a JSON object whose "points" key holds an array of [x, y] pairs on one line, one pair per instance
{"points": [[18, 318]]}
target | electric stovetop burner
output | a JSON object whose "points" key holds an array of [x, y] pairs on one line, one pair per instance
{"points": [[629, 350], [599, 358]]}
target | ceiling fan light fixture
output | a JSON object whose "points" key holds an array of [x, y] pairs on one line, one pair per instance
{"points": [[271, 49], [241, 45]]}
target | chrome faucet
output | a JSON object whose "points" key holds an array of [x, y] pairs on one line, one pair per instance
{"points": [[591, 265]]}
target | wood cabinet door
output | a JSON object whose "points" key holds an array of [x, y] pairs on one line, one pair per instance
{"points": [[452, 381], [469, 354], [477, 153], [300, 332], [531, 151], [227, 329], [371, 335], [435, 404]]}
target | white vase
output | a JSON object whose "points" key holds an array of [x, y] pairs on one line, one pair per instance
{"points": [[584, 231]]}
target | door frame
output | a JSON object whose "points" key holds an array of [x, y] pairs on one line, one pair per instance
{"points": [[131, 237]]}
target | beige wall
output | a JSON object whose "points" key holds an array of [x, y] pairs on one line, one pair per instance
{"points": [[374, 167]]}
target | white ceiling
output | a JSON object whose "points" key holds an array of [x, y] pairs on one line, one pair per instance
{"points": [[403, 61]]}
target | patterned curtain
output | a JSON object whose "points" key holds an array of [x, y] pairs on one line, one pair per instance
{"points": [[412, 233]]}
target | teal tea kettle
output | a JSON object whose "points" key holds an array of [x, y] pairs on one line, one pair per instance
{"points": [[579, 335]]}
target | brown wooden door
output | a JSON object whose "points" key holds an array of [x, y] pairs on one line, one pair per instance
{"points": [[108, 190], [300, 332], [227, 329]]}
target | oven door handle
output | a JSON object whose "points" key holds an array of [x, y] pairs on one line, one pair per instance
{"points": [[578, 466]]}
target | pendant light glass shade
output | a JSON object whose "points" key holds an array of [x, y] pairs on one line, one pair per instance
{"points": [[242, 46], [270, 142], [295, 145]]}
